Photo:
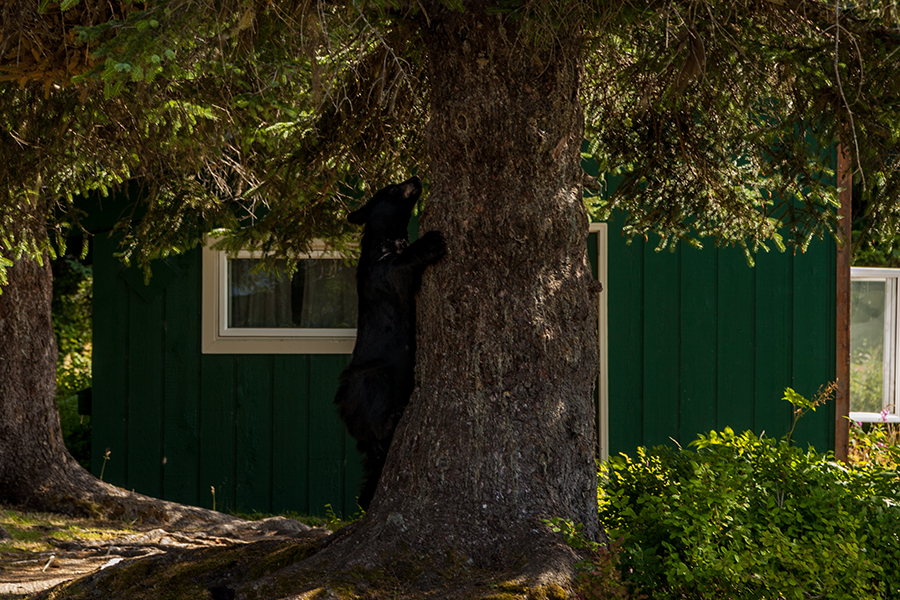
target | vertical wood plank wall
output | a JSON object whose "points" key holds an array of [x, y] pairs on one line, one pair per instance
{"points": [[699, 341], [261, 429]]}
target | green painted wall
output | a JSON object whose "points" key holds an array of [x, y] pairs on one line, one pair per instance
{"points": [[261, 429], [699, 340]]}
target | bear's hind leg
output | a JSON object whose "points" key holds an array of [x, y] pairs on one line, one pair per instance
{"points": [[373, 463]]}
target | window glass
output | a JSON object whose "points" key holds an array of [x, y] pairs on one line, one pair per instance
{"points": [[321, 294], [867, 344]]}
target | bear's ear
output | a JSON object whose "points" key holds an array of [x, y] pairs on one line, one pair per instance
{"points": [[359, 216]]}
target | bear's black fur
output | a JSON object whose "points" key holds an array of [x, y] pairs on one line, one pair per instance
{"points": [[376, 385]]}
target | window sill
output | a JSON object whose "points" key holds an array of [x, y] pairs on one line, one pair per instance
{"points": [[867, 417]]}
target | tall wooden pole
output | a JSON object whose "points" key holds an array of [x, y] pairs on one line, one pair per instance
{"points": [[842, 303]]}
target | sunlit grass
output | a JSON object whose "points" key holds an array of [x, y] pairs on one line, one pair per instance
{"points": [[31, 530], [331, 520]]}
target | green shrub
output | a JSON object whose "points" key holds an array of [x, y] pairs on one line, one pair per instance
{"points": [[739, 516], [875, 444], [72, 287]]}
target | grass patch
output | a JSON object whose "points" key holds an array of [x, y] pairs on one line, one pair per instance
{"points": [[330, 521], [31, 531]]}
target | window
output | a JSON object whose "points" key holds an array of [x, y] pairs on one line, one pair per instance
{"points": [[874, 322], [247, 311]]}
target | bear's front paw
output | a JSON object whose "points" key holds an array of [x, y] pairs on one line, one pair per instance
{"points": [[433, 246]]}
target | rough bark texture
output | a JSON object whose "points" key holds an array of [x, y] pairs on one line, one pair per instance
{"points": [[36, 470], [499, 433], [29, 424]]}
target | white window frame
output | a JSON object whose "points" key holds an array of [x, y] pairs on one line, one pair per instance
{"points": [[218, 338], [891, 376]]}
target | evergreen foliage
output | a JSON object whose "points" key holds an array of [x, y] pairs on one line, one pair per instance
{"points": [[266, 120], [227, 114], [721, 117]]}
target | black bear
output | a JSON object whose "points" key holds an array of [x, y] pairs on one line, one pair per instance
{"points": [[376, 385]]}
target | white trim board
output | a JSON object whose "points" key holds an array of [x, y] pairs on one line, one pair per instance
{"points": [[602, 232]]}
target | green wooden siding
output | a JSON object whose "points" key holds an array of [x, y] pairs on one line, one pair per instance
{"points": [[261, 429], [699, 340]]}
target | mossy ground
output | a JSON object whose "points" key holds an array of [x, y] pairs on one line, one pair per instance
{"points": [[263, 570], [32, 531], [187, 575], [267, 570]]}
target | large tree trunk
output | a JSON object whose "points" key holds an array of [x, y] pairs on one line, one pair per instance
{"points": [[31, 445], [499, 434], [36, 470]]}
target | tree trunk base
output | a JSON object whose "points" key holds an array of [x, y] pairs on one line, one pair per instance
{"points": [[36, 470], [69, 489], [538, 558], [543, 567], [375, 559]]}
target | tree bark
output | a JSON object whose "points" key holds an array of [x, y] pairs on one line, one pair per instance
{"points": [[499, 434], [36, 470], [29, 423]]}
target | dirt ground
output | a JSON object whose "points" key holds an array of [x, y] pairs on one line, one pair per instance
{"points": [[44, 550]]}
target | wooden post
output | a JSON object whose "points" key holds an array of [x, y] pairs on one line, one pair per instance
{"points": [[842, 303]]}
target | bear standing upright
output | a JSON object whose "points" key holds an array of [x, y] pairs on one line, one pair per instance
{"points": [[376, 385]]}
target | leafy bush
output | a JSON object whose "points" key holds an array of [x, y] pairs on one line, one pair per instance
{"points": [[739, 516], [72, 287], [875, 444]]}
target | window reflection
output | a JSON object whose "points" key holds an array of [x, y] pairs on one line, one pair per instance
{"points": [[321, 294], [868, 301]]}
